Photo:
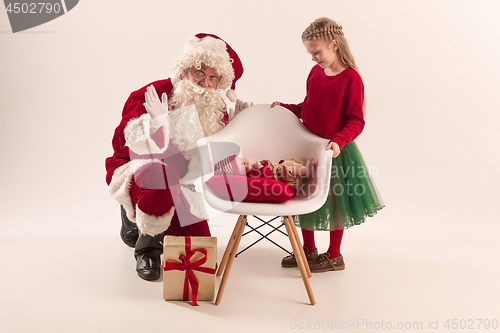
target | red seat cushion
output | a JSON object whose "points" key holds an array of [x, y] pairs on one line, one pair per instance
{"points": [[242, 188]]}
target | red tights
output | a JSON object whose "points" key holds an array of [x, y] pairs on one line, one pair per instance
{"points": [[335, 240]]}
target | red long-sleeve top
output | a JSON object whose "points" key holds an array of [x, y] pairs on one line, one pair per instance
{"points": [[333, 106]]}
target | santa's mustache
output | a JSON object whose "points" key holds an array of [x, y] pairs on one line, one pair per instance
{"points": [[187, 93], [208, 103]]}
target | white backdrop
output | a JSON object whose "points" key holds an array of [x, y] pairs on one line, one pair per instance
{"points": [[430, 70], [431, 75]]}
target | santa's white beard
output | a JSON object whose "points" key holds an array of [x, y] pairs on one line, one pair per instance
{"points": [[208, 102], [185, 128], [196, 112]]}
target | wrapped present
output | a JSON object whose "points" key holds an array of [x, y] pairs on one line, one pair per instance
{"points": [[189, 265]]}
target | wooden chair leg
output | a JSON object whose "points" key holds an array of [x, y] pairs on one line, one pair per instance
{"points": [[300, 259], [234, 249], [229, 246], [302, 253]]}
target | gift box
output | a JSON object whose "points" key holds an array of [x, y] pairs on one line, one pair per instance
{"points": [[189, 265]]}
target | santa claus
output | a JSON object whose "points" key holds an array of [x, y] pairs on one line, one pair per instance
{"points": [[155, 155]]}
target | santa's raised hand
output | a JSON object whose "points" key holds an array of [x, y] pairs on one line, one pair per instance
{"points": [[157, 109]]}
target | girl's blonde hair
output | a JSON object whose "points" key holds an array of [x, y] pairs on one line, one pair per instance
{"points": [[327, 30]]}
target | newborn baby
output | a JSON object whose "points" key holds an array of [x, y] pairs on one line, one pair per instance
{"points": [[291, 172]]}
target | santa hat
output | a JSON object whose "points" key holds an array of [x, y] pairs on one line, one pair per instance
{"points": [[227, 166], [213, 52]]}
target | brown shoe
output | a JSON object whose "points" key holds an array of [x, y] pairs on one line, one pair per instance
{"points": [[323, 263], [289, 261]]}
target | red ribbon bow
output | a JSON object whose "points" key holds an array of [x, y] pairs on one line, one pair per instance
{"points": [[188, 266]]}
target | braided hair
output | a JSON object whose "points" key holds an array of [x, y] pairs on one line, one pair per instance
{"points": [[328, 30]]}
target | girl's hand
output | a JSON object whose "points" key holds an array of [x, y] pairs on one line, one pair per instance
{"points": [[335, 147], [275, 103]]}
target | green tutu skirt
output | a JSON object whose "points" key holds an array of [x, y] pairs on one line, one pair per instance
{"points": [[352, 196]]}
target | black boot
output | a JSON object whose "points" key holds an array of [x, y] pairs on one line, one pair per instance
{"points": [[129, 232], [148, 250]]}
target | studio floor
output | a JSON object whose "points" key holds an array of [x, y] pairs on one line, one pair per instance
{"points": [[72, 277]]}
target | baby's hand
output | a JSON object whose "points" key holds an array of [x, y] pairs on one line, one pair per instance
{"points": [[308, 170], [311, 164], [275, 103], [256, 164]]}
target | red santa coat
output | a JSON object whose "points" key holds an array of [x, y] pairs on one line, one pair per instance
{"points": [[141, 164]]}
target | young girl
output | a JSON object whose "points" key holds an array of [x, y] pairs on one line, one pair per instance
{"points": [[333, 108]]}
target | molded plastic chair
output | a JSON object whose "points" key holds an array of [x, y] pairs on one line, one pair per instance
{"points": [[261, 132]]}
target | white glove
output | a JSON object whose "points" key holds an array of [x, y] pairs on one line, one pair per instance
{"points": [[153, 105], [240, 106]]}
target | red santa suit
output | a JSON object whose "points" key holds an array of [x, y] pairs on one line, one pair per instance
{"points": [[140, 179], [145, 170]]}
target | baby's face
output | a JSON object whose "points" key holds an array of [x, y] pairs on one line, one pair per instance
{"points": [[287, 172], [289, 175], [244, 165], [247, 165]]}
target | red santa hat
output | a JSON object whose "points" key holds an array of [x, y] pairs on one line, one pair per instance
{"points": [[227, 166], [214, 52]]}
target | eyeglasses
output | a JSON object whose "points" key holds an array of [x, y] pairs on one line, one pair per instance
{"points": [[200, 76]]}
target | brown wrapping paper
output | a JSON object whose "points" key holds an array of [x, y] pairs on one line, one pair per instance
{"points": [[174, 280]]}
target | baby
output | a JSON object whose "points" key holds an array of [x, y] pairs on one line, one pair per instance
{"points": [[291, 172]]}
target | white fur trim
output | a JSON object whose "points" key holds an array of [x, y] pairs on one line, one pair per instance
{"points": [[119, 188], [194, 169], [153, 225], [138, 136], [231, 94], [196, 200]]}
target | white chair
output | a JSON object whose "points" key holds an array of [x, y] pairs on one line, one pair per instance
{"points": [[260, 132]]}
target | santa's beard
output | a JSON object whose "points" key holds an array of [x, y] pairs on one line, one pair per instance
{"points": [[208, 102], [185, 130]]}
